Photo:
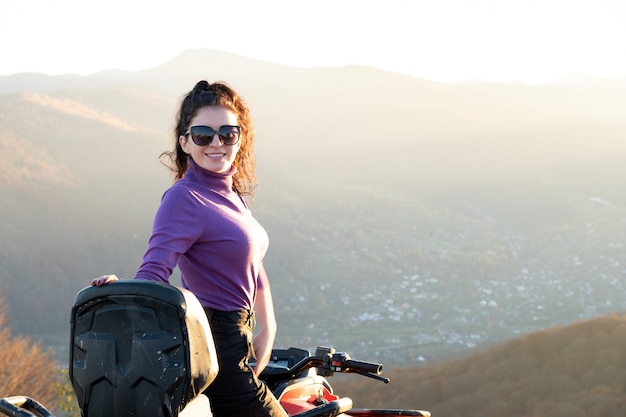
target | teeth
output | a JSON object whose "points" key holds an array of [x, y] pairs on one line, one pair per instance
{"points": [[215, 154]]}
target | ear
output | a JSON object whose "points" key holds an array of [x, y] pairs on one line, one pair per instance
{"points": [[184, 143]]}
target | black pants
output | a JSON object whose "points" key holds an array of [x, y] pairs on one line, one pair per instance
{"points": [[236, 391]]}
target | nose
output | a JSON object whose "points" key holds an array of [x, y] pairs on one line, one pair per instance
{"points": [[215, 140]]}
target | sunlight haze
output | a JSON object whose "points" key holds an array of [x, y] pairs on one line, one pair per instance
{"points": [[448, 40]]}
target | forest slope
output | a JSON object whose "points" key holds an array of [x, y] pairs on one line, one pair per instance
{"points": [[569, 371]]}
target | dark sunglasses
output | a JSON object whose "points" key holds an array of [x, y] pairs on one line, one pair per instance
{"points": [[203, 135]]}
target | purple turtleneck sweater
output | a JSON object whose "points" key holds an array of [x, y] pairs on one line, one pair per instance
{"points": [[206, 228]]}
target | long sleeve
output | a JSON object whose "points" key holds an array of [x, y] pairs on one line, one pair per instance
{"points": [[175, 230]]}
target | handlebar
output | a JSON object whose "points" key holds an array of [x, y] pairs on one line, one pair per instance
{"points": [[327, 362]]}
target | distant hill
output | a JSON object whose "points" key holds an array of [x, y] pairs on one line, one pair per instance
{"points": [[408, 218], [570, 371]]}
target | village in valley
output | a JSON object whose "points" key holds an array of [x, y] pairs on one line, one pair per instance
{"points": [[448, 292]]}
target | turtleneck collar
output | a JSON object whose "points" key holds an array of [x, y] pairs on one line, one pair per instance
{"points": [[216, 181]]}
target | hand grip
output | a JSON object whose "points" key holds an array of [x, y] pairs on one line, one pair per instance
{"points": [[363, 366], [22, 406]]}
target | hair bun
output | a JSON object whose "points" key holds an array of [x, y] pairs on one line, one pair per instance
{"points": [[201, 86]]}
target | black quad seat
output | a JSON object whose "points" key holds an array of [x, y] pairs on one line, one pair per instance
{"points": [[140, 348]]}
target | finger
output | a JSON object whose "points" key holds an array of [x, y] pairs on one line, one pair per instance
{"points": [[105, 279]]}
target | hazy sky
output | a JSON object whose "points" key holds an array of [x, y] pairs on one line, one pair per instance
{"points": [[445, 40]]}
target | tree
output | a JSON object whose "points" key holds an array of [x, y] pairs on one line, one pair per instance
{"points": [[28, 369]]}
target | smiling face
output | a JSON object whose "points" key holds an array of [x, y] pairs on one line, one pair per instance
{"points": [[215, 157]]}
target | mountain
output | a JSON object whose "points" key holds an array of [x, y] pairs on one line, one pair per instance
{"points": [[408, 218], [566, 371]]}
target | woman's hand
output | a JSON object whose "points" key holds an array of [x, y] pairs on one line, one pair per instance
{"points": [[104, 279], [266, 326]]}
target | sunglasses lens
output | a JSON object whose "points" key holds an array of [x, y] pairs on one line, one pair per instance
{"points": [[229, 135], [202, 135]]}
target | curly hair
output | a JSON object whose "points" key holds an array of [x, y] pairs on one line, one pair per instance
{"points": [[205, 94]]}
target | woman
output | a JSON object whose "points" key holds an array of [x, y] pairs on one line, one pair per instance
{"points": [[204, 226]]}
